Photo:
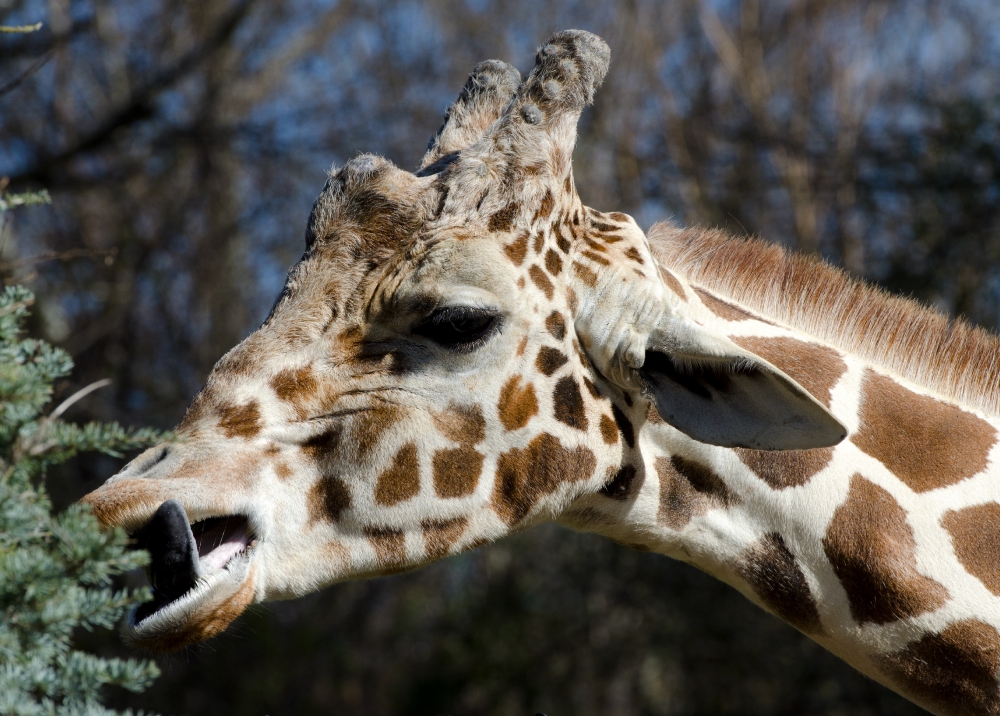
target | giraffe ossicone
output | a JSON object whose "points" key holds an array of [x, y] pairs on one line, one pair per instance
{"points": [[467, 350]]}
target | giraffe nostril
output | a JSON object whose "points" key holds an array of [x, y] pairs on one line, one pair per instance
{"points": [[145, 463]]}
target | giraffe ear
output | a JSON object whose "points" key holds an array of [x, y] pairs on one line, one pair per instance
{"points": [[709, 388]]}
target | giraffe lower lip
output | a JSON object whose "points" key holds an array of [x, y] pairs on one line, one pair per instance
{"points": [[183, 555]]}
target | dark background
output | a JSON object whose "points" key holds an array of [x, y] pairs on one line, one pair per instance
{"points": [[183, 142]]}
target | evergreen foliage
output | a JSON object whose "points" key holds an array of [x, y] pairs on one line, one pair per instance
{"points": [[55, 570]]}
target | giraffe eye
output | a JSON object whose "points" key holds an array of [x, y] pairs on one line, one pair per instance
{"points": [[460, 328]]}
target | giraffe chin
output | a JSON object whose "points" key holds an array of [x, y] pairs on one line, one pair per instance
{"points": [[206, 610]]}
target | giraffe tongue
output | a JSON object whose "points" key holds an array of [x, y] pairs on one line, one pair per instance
{"points": [[173, 568], [220, 539]]}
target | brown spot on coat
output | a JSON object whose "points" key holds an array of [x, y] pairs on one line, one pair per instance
{"points": [[503, 220], [601, 226], [401, 480], [563, 243], [555, 324], [785, 468], [816, 368], [591, 388], [774, 575], [567, 404], [282, 471], [723, 309], [951, 673], [295, 384], [571, 300], [524, 476], [517, 250], [539, 242], [539, 278], [372, 425], [925, 442], [518, 403], [609, 431], [597, 259], [545, 208], [240, 421], [328, 498], [550, 360], [389, 545], [585, 274], [633, 253], [873, 552], [553, 263], [440, 535], [323, 445], [673, 284], [975, 536], [620, 486], [624, 425], [463, 424], [688, 489], [456, 471]]}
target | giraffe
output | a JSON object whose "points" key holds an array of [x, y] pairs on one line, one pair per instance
{"points": [[467, 350]]}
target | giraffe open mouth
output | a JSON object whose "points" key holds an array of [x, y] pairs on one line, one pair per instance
{"points": [[188, 564]]}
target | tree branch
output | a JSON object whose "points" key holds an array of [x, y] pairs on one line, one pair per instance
{"points": [[140, 105]]}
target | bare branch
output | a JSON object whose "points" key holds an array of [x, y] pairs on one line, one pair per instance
{"points": [[20, 29], [78, 395]]}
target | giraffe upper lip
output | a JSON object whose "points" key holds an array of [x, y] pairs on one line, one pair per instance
{"points": [[183, 555]]}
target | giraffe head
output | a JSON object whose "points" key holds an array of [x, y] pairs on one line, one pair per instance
{"points": [[460, 352]]}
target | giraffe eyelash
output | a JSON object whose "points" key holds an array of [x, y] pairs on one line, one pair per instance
{"points": [[462, 329]]}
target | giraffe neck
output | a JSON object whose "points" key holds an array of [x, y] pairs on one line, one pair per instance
{"points": [[883, 549]]}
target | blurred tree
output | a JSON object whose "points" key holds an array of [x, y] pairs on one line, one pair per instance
{"points": [[54, 569], [184, 142]]}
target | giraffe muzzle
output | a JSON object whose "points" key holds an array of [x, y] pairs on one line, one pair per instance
{"points": [[198, 573]]}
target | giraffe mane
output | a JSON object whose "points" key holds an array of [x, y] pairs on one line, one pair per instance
{"points": [[946, 355]]}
